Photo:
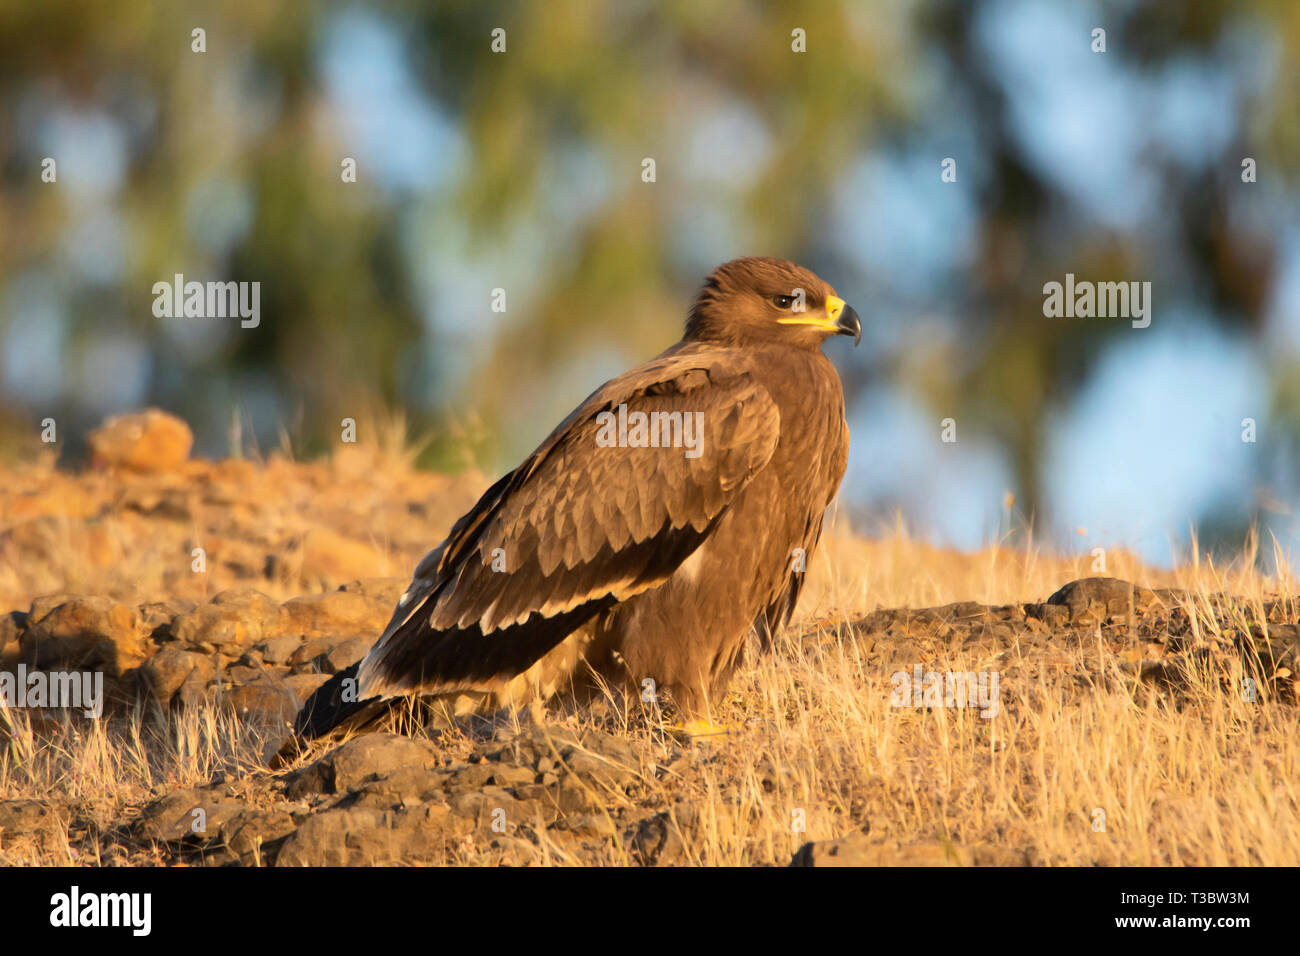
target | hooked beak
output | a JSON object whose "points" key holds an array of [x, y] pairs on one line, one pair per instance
{"points": [[850, 324], [840, 319]]}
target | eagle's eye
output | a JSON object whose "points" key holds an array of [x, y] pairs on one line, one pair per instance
{"points": [[783, 301]]}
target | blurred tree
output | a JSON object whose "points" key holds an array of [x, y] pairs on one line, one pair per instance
{"points": [[522, 170]]}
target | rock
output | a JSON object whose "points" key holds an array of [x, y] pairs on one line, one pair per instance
{"points": [[87, 633], [346, 653], [157, 617], [372, 754], [600, 769], [148, 441], [30, 820], [262, 697], [402, 787], [336, 614], [171, 504], [471, 776], [1096, 600], [548, 742], [329, 655], [236, 675], [312, 654], [1053, 615], [11, 628], [42, 606], [852, 850], [278, 650], [315, 779], [303, 686], [362, 836], [510, 851], [193, 691], [192, 814], [252, 831], [489, 806], [165, 672], [352, 764], [510, 775], [234, 618], [598, 825], [964, 611], [657, 841]]}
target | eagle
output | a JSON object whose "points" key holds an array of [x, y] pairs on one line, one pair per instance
{"points": [[663, 523]]}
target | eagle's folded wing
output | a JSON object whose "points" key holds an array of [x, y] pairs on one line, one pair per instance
{"points": [[578, 527]]}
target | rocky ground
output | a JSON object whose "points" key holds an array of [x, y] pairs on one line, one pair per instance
{"points": [[480, 791], [588, 787]]}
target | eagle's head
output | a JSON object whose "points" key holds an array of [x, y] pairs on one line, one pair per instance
{"points": [[769, 301]]}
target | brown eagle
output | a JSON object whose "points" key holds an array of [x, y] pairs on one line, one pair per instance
{"points": [[662, 522]]}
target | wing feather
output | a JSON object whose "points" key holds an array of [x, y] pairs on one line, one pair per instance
{"points": [[583, 527]]}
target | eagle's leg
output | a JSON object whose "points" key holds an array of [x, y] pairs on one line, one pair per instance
{"points": [[696, 721]]}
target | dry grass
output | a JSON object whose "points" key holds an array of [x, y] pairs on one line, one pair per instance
{"points": [[1211, 783], [101, 772], [1204, 779]]}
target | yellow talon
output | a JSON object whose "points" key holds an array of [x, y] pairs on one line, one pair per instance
{"points": [[695, 729]]}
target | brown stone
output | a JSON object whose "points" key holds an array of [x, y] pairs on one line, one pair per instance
{"points": [[192, 814], [234, 618], [338, 613], [368, 756], [32, 821], [263, 697], [251, 831], [42, 606], [11, 627], [147, 441], [303, 686], [1096, 600], [403, 786], [194, 688], [328, 655], [346, 653], [278, 650], [362, 836], [87, 633], [157, 616], [598, 825], [165, 672]]}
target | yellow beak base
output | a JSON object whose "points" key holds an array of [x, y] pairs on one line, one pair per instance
{"points": [[834, 306]]}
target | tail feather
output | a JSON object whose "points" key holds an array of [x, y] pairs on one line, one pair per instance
{"points": [[329, 708]]}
